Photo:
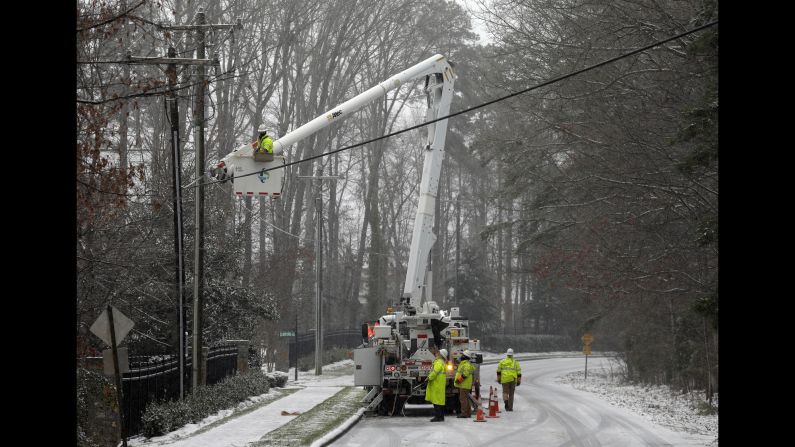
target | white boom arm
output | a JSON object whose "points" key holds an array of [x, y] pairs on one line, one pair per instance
{"points": [[439, 87]]}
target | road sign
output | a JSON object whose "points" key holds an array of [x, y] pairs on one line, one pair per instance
{"points": [[286, 334], [586, 350], [121, 324], [587, 339]]}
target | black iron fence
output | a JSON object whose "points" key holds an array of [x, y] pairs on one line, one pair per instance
{"points": [[155, 378], [147, 382], [221, 362], [339, 338]]}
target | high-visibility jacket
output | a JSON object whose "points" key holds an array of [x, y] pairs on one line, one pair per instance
{"points": [[509, 369], [465, 370], [265, 144], [437, 382]]}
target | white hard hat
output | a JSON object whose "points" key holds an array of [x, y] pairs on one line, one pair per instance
{"points": [[443, 353], [262, 129], [466, 353], [510, 351]]}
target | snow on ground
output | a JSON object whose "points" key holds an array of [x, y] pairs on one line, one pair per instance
{"points": [[501, 355], [657, 404], [241, 429], [675, 411], [191, 429], [334, 374]]}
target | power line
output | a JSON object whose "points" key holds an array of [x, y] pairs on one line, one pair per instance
{"points": [[112, 19], [502, 98]]}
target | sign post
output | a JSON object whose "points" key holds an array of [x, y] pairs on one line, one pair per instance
{"points": [[112, 331], [293, 334], [586, 349]]}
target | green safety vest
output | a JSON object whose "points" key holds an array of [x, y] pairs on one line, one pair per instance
{"points": [[509, 370], [465, 369], [437, 381], [265, 145]]}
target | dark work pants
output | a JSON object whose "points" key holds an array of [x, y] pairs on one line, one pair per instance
{"points": [[464, 401], [438, 411], [507, 394]]}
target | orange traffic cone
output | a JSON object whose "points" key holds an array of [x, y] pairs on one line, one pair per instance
{"points": [[479, 415], [492, 406]]}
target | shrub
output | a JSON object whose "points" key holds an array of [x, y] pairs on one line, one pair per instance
{"points": [[162, 417], [277, 378]]}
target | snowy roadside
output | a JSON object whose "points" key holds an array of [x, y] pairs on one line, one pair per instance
{"points": [[259, 415], [658, 404], [531, 355], [320, 424], [210, 422]]}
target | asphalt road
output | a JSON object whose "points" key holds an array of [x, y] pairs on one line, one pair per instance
{"points": [[545, 414]]}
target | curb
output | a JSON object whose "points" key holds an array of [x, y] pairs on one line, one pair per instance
{"points": [[543, 357], [343, 428]]}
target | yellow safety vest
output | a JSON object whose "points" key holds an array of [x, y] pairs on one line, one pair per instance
{"points": [[465, 369], [265, 145], [437, 381], [509, 370]]}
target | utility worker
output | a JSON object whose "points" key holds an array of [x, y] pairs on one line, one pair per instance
{"points": [[463, 381], [437, 382], [264, 146], [509, 374]]}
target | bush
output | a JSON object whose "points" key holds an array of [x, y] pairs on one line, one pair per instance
{"points": [[528, 343], [162, 417], [705, 408], [277, 378]]}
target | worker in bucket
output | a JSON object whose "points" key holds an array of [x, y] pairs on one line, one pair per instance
{"points": [[437, 382], [509, 374], [463, 381], [264, 146]]}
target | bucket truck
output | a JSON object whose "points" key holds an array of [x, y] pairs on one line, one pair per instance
{"points": [[394, 361]]}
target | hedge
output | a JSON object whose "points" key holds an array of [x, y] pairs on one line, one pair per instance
{"points": [[162, 417]]}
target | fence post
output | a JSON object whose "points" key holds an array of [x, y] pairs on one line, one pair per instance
{"points": [[242, 356], [205, 354]]}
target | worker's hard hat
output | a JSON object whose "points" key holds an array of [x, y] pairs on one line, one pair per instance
{"points": [[262, 129], [466, 353], [443, 353], [510, 351]]}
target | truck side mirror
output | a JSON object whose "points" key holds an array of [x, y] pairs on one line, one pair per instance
{"points": [[478, 358], [364, 330]]}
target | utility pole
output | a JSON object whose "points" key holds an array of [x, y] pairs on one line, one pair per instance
{"points": [[198, 278], [176, 168], [319, 272], [319, 284], [200, 27]]}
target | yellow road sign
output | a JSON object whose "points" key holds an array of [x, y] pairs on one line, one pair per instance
{"points": [[587, 339], [586, 350]]}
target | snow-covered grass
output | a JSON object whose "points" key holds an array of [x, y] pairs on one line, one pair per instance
{"points": [[657, 403], [338, 369], [210, 422], [316, 422]]}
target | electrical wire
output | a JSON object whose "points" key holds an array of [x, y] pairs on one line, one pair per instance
{"points": [[112, 19], [502, 98]]}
